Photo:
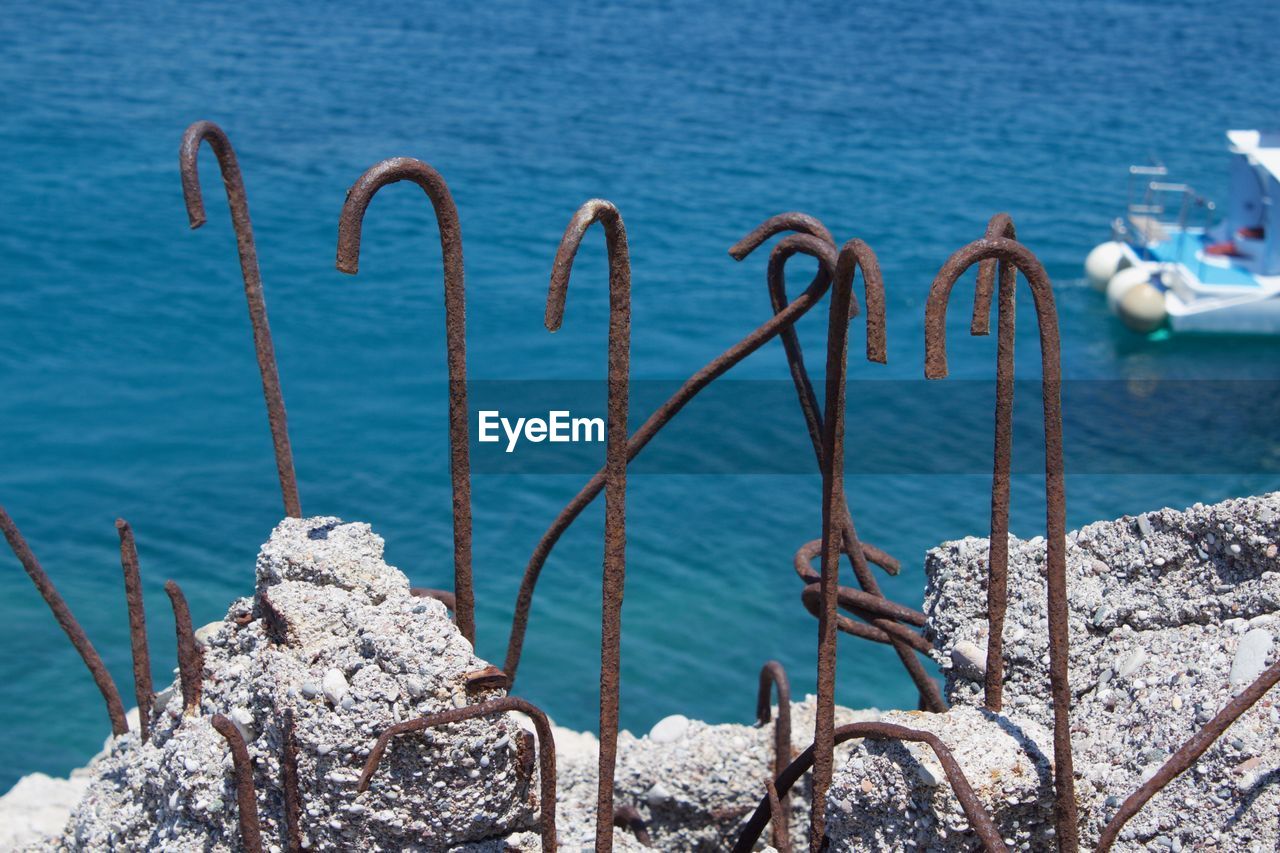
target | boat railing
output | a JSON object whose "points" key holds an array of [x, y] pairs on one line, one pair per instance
{"points": [[1157, 207]]}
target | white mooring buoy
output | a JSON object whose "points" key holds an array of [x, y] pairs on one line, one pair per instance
{"points": [[1103, 262]]}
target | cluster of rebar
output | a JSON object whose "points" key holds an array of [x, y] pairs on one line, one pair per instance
{"points": [[1000, 259]]}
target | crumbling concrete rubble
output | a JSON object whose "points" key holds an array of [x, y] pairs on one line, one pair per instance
{"points": [[693, 783], [895, 796], [333, 634], [350, 652], [1172, 613]]}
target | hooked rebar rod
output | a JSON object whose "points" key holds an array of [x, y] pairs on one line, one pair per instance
{"points": [[858, 553], [233, 181], [350, 227], [246, 794], [977, 815], [808, 399], [661, 416], [1001, 225], [615, 495], [546, 751], [1018, 256], [854, 255], [772, 675]]}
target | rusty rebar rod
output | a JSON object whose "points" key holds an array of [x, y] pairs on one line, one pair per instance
{"points": [[773, 675], [853, 255], [1001, 225], [717, 367], [448, 599], [811, 598], [142, 687], [188, 161], [546, 751], [857, 552], [1190, 752], [289, 783], [190, 658], [615, 496], [879, 612], [67, 621], [976, 813], [1018, 256], [877, 604], [348, 261], [808, 399], [630, 819], [778, 817], [246, 794], [882, 630], [905, 645]]}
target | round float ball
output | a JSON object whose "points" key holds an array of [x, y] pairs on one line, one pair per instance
{"points": [[1103, 262], [1142, 308], [1121, 283]]}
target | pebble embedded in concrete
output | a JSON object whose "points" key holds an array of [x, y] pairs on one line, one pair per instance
{"points": [[669, 729], [969, 659], [334, 686], [1251, 657]]}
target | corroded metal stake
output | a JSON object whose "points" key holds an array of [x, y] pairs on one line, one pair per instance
{"points": [[998, 548], [67, 621], [859, 553], [142, 687], [190, 658], [546, 751], [853, 255], [615, 496], [772, 674], [777, 817], [448, 599], [188, 161], [977, 815], [289, 782], [776, 277], [1018, 256], [628, 818], [883, 617], [717, 367], [348, 261], [876, 629], [1190, 752], [246, 794]]}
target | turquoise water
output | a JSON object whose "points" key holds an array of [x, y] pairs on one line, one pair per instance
{"points": [[127, 380]]}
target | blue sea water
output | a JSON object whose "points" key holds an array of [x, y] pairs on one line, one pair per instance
{"points": [[127, 379]]}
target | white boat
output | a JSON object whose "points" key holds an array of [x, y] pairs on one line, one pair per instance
{"points": [[1174, 262]]}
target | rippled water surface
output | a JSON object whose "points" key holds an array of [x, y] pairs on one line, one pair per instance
{"points": [[128, 385]]}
